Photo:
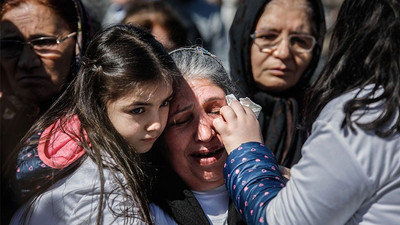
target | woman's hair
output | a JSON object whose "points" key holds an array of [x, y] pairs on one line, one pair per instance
{"points": [[198, 63], [365, 49], [117, 61]]}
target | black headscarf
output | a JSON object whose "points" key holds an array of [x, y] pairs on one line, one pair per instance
{"points": [[281, 112]]}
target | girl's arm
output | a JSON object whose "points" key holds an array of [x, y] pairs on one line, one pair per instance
{"points": [[327, 179], [251, 172]]}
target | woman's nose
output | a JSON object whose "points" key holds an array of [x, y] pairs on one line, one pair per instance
{"points": [[28, 58], [205, 130], [282, 50]]}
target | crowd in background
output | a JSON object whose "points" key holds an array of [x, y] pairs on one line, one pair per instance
{"points": [[101, 9]]}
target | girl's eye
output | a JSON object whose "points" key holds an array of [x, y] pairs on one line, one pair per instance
{"points": [[138, 110]]}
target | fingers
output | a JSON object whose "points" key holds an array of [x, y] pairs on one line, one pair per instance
{"points": [[238, 108], [237, 124], [228, 116], [235, 110], [219, 124], [227, 113], [242, 110]]}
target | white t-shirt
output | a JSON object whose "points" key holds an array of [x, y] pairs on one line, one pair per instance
{"points": [[214, 204]]}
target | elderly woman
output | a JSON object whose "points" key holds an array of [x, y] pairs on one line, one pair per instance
{"points": [[275, 48], [193, 192], [41, 42]]}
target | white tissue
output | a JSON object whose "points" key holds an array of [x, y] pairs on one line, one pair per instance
{"points": [[246, 102]]}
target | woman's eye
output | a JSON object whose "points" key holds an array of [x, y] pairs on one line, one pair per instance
{"points": [[165, 103], [138, 110], [268, 37], [177, 123], [44, 42], [214, 111], [181, 121]]}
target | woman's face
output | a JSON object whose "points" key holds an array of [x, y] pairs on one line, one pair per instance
{"points": [[36, 76], [281, 68], [194, 150]]}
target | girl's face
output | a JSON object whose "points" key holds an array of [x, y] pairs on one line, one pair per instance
{"points": [[141, 116], [34, 75], [193, 148], [282, 68]]}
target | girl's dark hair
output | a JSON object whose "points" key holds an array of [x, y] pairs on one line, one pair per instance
{"points": [[118, 60], [365, 49]]}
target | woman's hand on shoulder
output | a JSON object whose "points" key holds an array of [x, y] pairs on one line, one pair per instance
{"points": [[237, 125]]}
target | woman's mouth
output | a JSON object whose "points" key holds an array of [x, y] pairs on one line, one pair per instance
{"points": [[279, 71], [208, 157]]}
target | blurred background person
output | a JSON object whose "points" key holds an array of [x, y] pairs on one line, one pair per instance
{"points": [[115, 12], [275, 48], [41, 44], [160, 19], [201, 19], [206, 18]]}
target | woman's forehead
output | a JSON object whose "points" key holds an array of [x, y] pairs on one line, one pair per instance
{"points": [[196, 91]]}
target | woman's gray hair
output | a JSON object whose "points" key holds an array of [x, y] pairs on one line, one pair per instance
{"points": [[198, 63]]}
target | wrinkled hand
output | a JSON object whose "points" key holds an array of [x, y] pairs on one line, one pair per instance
{"points": [[237, 125]]}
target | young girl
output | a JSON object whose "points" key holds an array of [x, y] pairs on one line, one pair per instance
{"points": [[80, 162], [350, 169]]}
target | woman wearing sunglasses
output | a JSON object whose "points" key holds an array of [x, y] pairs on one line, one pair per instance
{"points": [[40, 41], [275, 48], [40, 45]]}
